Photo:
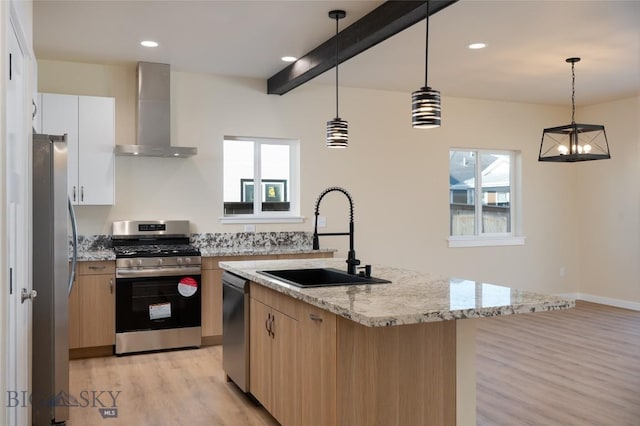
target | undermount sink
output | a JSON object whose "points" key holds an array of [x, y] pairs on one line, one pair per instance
{"points": [[320, 277]]}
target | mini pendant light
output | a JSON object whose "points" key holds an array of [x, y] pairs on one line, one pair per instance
{"points": [[425, 102], [337, 129], [574, 142]]}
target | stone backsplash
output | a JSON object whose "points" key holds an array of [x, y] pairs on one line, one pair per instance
{"points": [[253, 241]]}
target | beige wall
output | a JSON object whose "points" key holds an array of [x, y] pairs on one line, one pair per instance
{"points": [[609, 201], [397, 175]]}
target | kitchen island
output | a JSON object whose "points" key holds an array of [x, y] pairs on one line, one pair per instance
{"points": [[390, 354]]}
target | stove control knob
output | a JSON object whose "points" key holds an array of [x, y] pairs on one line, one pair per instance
{"points": [[187, 260], [159, 261], [139, 262], [129, 262], [180, 261]]}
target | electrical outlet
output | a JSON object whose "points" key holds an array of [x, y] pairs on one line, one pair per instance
{"points": [[322, 221], [249, 228]]}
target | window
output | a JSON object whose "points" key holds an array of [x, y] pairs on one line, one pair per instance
{"points": [[482, 197], [261, 180]]}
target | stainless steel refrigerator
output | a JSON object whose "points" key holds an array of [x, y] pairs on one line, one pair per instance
{"points": [[52, 280]]}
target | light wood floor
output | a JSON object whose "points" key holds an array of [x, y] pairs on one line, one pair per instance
{"points": [[186, 387], [577, 367]]}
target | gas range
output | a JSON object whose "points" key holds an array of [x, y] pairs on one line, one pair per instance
{"points": [[158, 286]]}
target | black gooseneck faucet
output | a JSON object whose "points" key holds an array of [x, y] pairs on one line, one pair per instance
{"points": [[352, 262]]}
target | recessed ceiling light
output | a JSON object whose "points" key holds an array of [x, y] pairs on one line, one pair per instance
{"points": [[475, 46], [289, 58], [149, 43]]}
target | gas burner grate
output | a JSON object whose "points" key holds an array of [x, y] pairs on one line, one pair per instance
{"points": [[156, 250]]}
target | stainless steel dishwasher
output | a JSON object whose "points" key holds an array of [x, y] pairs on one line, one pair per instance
{"points": [[235, 329]]}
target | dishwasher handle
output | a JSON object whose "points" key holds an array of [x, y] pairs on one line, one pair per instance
{"points": [[235, 281]]}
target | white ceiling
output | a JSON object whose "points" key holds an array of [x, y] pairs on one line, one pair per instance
{"points": [[528, 42]]}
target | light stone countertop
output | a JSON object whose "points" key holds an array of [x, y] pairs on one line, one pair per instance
{"points": [[221, 252], [218, 244], [411, 297]]}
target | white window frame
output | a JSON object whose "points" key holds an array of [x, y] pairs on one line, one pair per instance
{"points": [[481, 239], [259, 216]]}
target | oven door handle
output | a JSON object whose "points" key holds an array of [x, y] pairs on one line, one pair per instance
{"points": [[158, 272]]}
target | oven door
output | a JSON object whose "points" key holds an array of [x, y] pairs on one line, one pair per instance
{"points": [[157, 303]]}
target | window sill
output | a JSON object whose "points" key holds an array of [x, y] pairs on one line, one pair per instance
{"points": [[475, 241], [261, 219]]}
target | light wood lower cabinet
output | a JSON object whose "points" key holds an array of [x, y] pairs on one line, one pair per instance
{"points": [[92, 306], [329, 370], [260, 354], [211, 302], [274, 373], [317, 332]]}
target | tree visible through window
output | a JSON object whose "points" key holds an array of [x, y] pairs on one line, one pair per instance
{"points": [[480, 192]]}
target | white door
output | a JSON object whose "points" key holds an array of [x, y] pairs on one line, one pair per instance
{"points": [[18, 235]]}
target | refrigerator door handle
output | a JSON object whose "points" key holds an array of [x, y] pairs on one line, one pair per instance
{"points": [[74, 243]]}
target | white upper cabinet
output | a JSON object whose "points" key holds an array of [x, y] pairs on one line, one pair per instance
{"points": [[89, 123], [96, 160]]}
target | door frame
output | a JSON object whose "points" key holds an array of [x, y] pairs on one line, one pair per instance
{"points": [[15, 317]]}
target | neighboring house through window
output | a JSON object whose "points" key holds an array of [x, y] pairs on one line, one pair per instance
{"points": [[482, 189], [261, 180]]}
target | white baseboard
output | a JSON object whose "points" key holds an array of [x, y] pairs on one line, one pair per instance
{"points": [[626, 304]]}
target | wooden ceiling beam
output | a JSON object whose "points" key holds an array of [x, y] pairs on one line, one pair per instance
{"points": [[383, 22]]}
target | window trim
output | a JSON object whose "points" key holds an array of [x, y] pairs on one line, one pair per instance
{"points": [[293, 215], [512, 238]]}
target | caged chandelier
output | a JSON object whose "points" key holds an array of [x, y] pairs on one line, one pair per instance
{"points": [[425, 102], [337, 129], [574, 142]]}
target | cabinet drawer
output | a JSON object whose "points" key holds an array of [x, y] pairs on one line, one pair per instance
{"points": [[95, 268], [278, 301]]}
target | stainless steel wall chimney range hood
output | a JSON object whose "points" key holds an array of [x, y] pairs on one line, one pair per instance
{"points": [[154, 115]]}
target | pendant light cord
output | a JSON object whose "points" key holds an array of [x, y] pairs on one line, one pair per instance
{"points": [[573, 93], [337, 115], [426, 54]]}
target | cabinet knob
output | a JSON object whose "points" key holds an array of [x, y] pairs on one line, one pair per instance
{"points": [[111, 285]]}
